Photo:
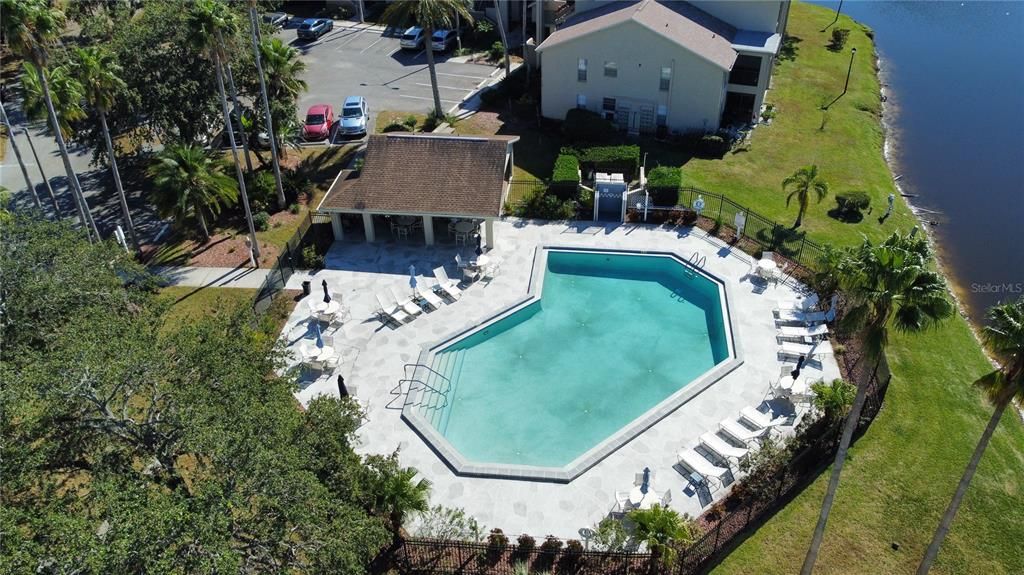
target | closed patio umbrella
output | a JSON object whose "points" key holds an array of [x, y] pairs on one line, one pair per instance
{"points": [[412, 278], [319, 337], [830, 315], [327, 294], [646, 484], [479, 247]]}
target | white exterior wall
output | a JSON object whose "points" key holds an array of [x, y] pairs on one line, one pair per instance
{"points": [[694, 100]]}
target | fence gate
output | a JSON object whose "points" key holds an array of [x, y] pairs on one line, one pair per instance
{"points": [[609, 197]]}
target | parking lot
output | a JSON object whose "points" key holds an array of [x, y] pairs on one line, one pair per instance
{"points": [[364, 60]]}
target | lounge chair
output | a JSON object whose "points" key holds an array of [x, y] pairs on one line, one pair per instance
{"points": [[429, 297], [724, 449], [791, 349], [803, 305], [391, 311], [666, 498], [804, 317], [696, 462], [759, 419], [800, 332], [446, 285], [407, 305], [742, 433], [622, 503]]}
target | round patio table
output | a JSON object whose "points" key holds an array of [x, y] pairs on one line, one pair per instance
{"points": [[767, 266], [326, 307], [312, 352], [641, 500], [481, 261], [405, 220], [465, 226]]}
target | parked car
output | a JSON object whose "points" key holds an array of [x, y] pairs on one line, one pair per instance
{"points": [[443, 40], [412, 39], [355, 115], [313, 28], [276, 19], [319, 121]]}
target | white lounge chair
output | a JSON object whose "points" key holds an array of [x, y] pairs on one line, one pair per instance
{"points": [[666, 498], [445, 284], [803, 304], [759, 419], [622, 503], [696, 462], [800, 332], [791, 349], [407, 305], [723, 448], [429, 297], [741, 433], [809, 317], [459, 263], [391, 311]]}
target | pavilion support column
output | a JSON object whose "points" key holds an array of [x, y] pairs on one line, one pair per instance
{"points": [[428, 230], [339, 233], [368, 228], [489, 233]]}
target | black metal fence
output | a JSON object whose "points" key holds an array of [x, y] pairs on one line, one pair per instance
{"points": [[414, 556], [314, 232], [519, 190]]}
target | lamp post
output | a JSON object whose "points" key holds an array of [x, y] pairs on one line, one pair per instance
{"points": [[853, 52]]}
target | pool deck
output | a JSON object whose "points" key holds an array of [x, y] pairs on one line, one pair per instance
{"points": [[373, 357]]}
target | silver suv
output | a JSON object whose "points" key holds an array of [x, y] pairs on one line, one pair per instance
{"points": [[355, 115]]}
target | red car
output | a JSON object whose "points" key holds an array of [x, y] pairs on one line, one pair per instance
{"points": [[319, 121]]}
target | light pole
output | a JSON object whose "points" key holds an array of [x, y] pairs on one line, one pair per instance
{"points": [[42, 174], [838, 10], [853, 52]]}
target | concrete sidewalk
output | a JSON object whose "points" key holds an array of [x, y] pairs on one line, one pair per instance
{"points": [[191, 276]]}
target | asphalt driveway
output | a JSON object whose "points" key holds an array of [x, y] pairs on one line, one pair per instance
{"points": [[365, 60]]}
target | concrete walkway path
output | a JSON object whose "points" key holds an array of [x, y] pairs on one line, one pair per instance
{"points": [[191, 276]]}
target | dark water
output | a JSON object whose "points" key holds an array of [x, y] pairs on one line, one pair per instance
{"points": [[955, 73]]}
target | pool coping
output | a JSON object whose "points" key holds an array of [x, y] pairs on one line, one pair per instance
{"points": [[464, 467]]}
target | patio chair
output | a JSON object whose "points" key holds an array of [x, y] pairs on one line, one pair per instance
{"points": [[332, 362], [314, 365], [741, 433], [666, 498], [451, 227], [760, 419], [429, 297], [391, 311], [407, 305], [622, 503], [696, 462], [462, 237], [446, 285], [328, 340], [791, 349], [722, 448], [800, 332], [459, 263], [491, 271], [402, 232], [638, 479], [801, 305], [804, 317]]}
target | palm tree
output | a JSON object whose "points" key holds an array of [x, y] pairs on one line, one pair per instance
{"points": [[188, 182], [504, 40], [208, 20], [257, 57], [398, 495], [890, 283], [65, 90], [429, 15], [99, 74], [805, 180], [1004, 337], [833, 399], [17, 154], [661, 529], [283, 69], [31, 27]]}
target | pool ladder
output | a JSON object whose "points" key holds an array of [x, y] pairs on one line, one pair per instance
{"points": [[696, 260], [428, 402]]}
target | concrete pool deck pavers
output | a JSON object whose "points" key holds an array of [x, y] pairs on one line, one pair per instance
{"points": [[374, 356]]}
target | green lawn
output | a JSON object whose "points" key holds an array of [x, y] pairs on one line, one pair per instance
{"points": [[902, 472], [386, 117], [190, 303]]}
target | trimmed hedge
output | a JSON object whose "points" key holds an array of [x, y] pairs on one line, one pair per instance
{"points": [[511, 87], [395, 127], [663, 184], [613, 159], [565, 179], [584, 126]]}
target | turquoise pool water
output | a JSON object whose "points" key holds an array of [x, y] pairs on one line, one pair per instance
{"points": [[611, 337]]}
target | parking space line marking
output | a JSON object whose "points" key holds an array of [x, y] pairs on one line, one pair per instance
{"points": [[425, 98], [446, 87], [462, 76], [371, 45], [392, 53], [420, 53]]}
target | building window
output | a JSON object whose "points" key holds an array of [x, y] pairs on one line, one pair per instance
{"points": [[662, 119], [581, 70], [611, 70], [581, 101], [608, 104], [666, 79], [746, 71]]}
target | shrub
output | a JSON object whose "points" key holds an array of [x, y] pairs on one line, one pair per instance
{"points": [[294, 208], [851, 203], [768, 113], [497, 542], [262, 190], [705, 145], [261, 220], [496, 51], [434, 120], [395, 127], [610, 535], [295, 184], [615, 159], [525, 546], [312, 259], [541, 205], [565, 178], [839, 36], [549, 550], [511, 87], [586, 126], [483, 27], [663, 184], [410, 122], [572, 559]]}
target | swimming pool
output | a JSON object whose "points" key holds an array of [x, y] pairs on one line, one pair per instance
{"points": [[613, 336]]}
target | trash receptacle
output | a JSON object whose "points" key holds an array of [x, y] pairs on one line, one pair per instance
{"points": [[306, 290]]}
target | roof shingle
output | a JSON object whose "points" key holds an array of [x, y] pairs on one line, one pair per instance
{"points": [[422, 173]]}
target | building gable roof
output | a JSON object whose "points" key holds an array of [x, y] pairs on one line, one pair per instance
{"points": [[679, 22], [425, 173]]}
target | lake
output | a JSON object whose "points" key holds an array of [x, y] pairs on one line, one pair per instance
{"points": [[955, 77]]}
